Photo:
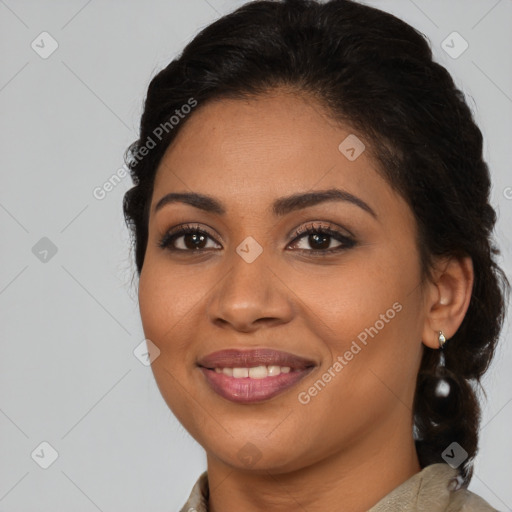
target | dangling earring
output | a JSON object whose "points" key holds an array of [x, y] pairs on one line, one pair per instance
{"points": [[441, 338], [443, 386]]}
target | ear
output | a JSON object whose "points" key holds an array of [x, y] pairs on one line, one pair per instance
{"points": [[447, 298]]}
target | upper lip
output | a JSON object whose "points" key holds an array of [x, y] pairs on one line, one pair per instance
{"points": [[236, 358]]}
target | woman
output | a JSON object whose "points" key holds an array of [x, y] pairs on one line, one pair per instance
{"points": [[312, 233]]}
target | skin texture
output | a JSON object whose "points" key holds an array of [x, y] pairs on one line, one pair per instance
{"points": [[358, 429]]}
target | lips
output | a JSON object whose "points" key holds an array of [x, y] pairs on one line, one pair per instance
{"points": [[235, 358], [275, 373]]}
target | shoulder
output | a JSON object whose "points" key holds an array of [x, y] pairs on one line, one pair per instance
{"points": [[198, 498], [434, 489], [439, 482], [466, 501]]}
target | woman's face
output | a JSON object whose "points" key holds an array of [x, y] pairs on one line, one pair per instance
{"points": [[347, 300]]}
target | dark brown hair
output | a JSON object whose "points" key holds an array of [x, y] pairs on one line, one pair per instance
{"points": [[376, 74]]}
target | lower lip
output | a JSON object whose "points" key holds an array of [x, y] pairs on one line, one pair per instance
{"points": [[246, 390]]}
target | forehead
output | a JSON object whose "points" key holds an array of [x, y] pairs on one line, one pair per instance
{"points": [[247, 151]]}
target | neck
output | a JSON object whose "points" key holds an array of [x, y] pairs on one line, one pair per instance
{"points": [[353, 479]]}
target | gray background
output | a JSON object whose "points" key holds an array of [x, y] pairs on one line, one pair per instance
{"points": [[69, 324]]}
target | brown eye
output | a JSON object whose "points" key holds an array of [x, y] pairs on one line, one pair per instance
{"points": [[186, 238], [318, 240]]}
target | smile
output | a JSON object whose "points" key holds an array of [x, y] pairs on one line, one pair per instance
{"points": [[244, 388], [255, 375]]}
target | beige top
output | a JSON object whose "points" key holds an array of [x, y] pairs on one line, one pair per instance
{"points": [[426, 491]]}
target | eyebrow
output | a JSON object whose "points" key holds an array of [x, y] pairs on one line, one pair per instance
{"points": [[280, 207]]}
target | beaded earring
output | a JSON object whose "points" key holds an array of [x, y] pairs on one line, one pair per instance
{"points": [[443, 386]]}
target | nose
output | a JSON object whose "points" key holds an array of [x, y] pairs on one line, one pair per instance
{"points": [[250, 296]]}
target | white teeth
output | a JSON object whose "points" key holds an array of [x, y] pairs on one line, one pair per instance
{"points": [[256, 372], [273, 370], [240, 373]]}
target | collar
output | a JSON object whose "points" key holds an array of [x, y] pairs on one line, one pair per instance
{"points": [[433, 489]]}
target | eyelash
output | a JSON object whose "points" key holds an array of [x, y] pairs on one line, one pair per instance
{"points": [[310, 229]]}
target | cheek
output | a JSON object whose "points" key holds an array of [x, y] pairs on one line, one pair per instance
{"points": [[165, 299], [368, 316], [164, 305], [362, 294], [153, 302]]}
